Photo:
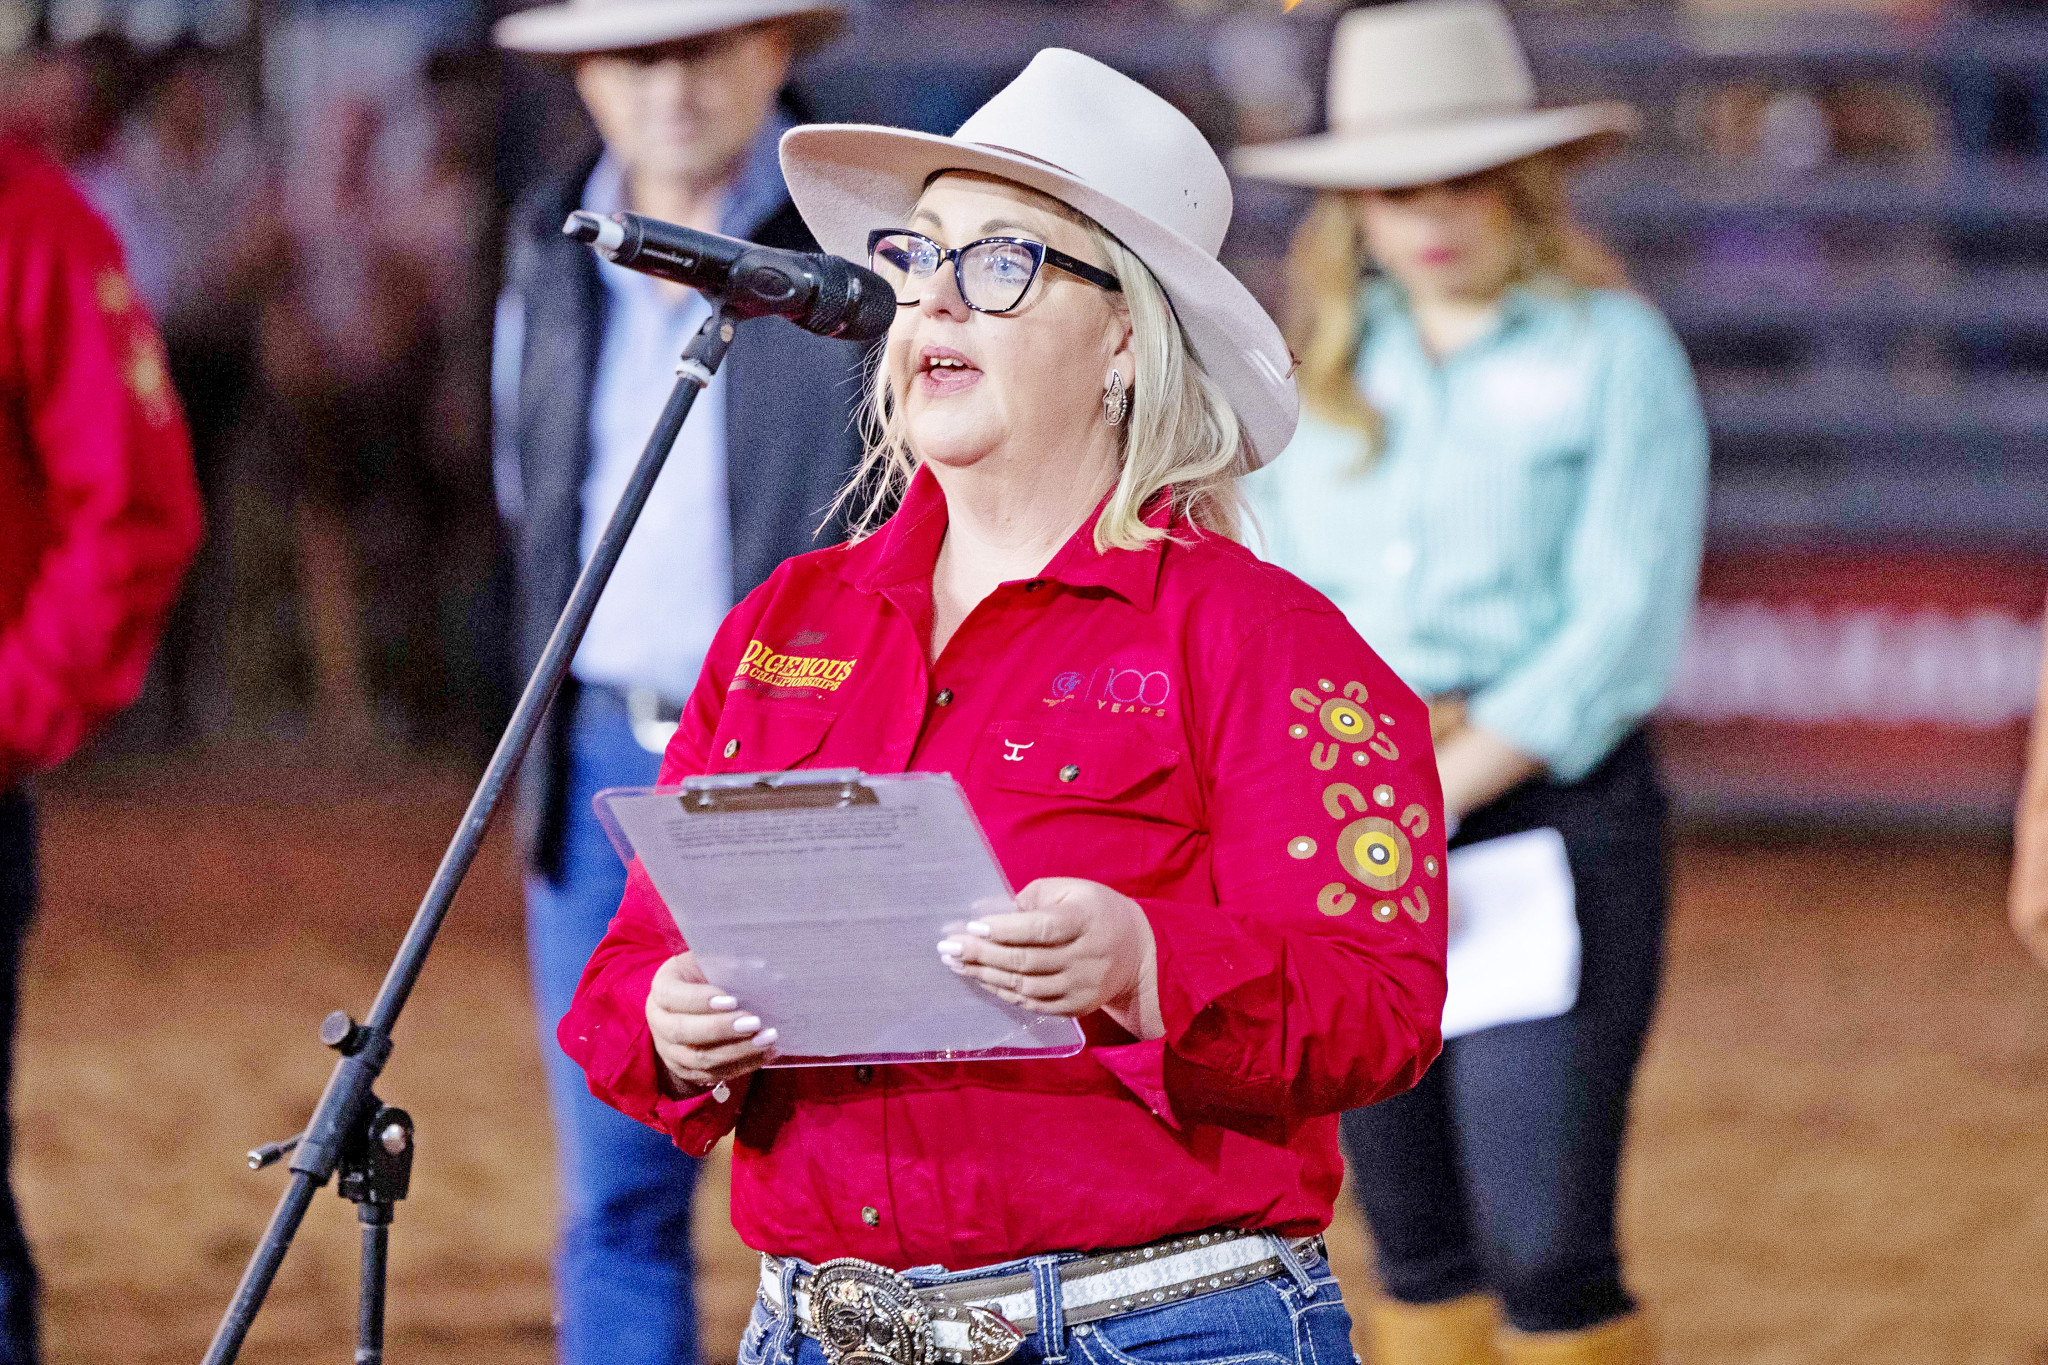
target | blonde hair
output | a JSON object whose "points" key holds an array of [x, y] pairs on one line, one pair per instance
{"points": [[1181, 432], [1327, 260]]}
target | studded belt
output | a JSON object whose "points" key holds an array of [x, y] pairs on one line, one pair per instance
{"points": [[865, 1314]]}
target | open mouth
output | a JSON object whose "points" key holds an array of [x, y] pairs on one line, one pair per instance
{"points": [[942, 370]]}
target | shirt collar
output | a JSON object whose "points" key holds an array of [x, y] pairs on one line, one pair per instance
{"points": [[754, 196], [906, 550]]}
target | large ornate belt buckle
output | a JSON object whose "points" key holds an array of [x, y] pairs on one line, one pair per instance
{"points": [[868, 1314]]}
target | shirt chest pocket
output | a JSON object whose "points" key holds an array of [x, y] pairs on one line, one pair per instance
{"points": [[1112, 807], [1060, 766], [764, 737]]}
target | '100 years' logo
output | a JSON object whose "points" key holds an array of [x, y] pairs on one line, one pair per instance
{"points": [[1114, 688]]}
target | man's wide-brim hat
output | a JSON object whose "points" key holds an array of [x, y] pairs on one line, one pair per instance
{"points": [[1427, 91], [583, 26], [1097, 141]]}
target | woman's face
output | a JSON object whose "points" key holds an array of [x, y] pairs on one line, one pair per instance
{"points": [[1028, 381], [1454, 239]]}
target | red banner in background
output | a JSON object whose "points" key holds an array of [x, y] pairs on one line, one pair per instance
{"points": [[1844, 683]]}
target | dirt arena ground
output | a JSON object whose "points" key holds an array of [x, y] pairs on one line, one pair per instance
{"points": [[1839, 1154]]}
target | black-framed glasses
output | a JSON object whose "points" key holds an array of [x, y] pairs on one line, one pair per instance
{"points": [[993, 274]]}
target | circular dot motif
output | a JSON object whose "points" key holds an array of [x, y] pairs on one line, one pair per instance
{"points": [[1429, 866], [1301, 847], [1383, 911], [1383, 794], [1343, 720], [1298, 731], [1376, 852], [1360, 757], [1326, 684]]}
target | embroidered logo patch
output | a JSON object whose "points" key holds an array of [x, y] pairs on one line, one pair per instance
{"points": [[770, 669], [1065, 687], [1138, 690]]}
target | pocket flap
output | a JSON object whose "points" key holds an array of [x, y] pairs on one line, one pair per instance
{"points": [[763, 737], [1052, 761]]}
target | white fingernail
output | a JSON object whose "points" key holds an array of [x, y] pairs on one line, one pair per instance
{"points": [[722, 1003], [978, 929], [765, 1037], [951, 947], [746, 1023]]}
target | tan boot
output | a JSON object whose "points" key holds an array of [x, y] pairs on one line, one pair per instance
{"points": [[1618, 1341], [1457, 1331]]}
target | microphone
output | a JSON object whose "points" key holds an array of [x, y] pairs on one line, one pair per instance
{"points": [[818, 292]]}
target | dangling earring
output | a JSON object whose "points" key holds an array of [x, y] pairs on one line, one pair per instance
{"points": [[1116, 399]]}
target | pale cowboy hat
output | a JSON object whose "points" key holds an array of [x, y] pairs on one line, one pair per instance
{"points": [[578, 27], [1099, 142], [1428, 91]]}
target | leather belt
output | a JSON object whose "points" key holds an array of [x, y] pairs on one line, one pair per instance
{"points": [[867, 1314]]}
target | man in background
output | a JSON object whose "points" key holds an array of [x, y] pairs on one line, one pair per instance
{"points": [[686, 95], [99, 515], [2029, 904]]}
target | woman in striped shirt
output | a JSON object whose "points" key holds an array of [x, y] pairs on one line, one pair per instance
{"points": [[1500, 479]]}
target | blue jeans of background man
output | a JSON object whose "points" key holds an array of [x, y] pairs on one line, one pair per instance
{"points": [[1295, 1318], [1498, 1171], [624, 1268], [18, 1290]]}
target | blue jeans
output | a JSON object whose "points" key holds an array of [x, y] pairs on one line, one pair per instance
{"points": [[1498, 1171], [18, 1286], [1297, 1318], [624, 1266]]}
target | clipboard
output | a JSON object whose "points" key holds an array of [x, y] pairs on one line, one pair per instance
{"points": [[818, 898]]}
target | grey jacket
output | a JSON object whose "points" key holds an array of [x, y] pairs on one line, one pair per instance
{"points": [[790, 441]]}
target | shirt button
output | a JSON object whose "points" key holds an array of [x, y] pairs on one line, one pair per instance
{"points": [[863, 1074], [871, 1216], [1070, 772], [732, 746], [945, 697]]}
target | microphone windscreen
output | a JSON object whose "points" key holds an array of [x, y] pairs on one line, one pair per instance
{"points": [[865, 303]]}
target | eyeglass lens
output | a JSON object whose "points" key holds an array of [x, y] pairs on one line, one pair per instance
{"points": [[993, 275]]}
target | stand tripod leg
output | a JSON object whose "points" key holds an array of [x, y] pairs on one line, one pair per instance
{"points": [[376, 1221]]}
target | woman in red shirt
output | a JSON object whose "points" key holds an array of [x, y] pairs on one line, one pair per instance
{"points": [[1221, 807]]}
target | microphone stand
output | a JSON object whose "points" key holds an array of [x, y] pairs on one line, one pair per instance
{"points": [[352, 1131]]}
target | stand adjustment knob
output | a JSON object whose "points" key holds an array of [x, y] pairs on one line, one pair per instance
{"points": [[341, 1033]]}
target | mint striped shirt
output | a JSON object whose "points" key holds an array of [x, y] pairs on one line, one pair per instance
{"points": [[1530, 535]]}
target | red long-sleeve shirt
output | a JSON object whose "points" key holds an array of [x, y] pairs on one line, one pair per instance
{"points": [[99, 507], [1192, 727]]}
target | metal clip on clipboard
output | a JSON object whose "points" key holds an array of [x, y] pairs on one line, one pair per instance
{"points": [[825, 788], [816, 898]]}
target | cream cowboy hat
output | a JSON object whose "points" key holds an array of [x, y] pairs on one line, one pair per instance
{"points": [[1099, 142], [1427, 91], [581, 26]]}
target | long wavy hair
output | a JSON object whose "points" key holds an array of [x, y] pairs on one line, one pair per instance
{"points": [[1181, 433], [1327, 266]]}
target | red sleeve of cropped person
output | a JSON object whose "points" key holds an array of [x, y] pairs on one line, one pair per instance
{"points": [[99, 504]]}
